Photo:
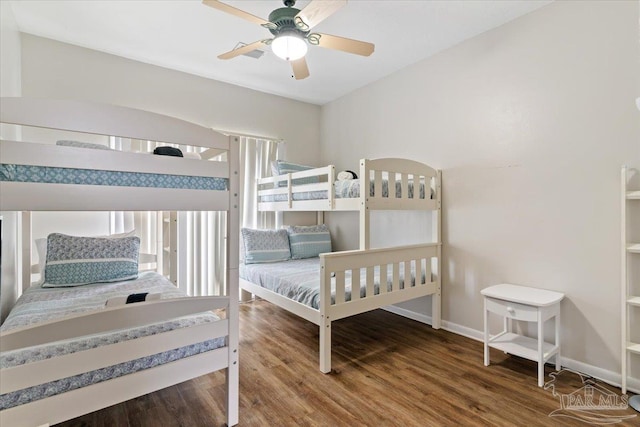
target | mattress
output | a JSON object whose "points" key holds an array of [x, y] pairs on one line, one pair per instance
{"points": [[39, 304], [299, 280], [55, 175], [346, 189]]}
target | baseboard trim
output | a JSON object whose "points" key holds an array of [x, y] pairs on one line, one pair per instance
{"points": [[609, 377]]}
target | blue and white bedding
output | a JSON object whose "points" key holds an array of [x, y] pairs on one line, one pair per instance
{"points": [[346, 189], [39, 304], [55, 175], [299, 280]]}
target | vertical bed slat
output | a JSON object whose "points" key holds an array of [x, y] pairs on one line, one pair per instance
{"points": [[416, 185], [370, 282], [383, 280], [405, 186], [427, 271], [396, 277], [392, 185], [377, 185], [355, 284], [419, 271], [407, 274], [339, 287]]}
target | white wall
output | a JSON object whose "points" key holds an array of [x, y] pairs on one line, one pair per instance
{"points": [[9, 86], [530, 123]]}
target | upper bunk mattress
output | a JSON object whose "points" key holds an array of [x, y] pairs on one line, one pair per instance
{"points": [[347, 189], [299, 280], [39, 304], [56, 175]]}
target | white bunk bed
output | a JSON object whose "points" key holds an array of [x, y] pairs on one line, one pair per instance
{"points": [[418, 187], [53, 195]]}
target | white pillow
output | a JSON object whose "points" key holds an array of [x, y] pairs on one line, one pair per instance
{"points": [[41, 248], [79, 144]]}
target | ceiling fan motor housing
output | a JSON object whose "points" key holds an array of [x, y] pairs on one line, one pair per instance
{"points": [[283, 18]]}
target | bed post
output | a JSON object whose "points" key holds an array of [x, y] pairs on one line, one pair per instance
{"points": [[233, 254], [173, 247], [25, 260], [331, 179], [364, 205], [436, 298], [325, 320], [160, 240]]}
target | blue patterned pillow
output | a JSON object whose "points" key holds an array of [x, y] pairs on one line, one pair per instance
{"points": [[309, 241], [265, 246], [282, 167], [74, 261]]}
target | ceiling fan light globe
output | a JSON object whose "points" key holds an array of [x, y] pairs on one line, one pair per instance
{"points": [[289, 47]]}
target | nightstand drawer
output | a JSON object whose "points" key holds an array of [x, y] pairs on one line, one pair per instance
{"points": [[512, 310]]}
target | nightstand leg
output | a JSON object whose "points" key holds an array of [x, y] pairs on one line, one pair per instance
{"points": [[557, 320], [486, 334], [540, 355]]}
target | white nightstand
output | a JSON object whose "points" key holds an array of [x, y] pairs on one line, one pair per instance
{"points": [[526, 304]]}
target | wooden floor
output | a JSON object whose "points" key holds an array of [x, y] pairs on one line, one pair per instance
{"points": [[388, 371]]}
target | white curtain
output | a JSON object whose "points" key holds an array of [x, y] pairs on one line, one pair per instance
{"points": [[202, 235], [256, 156], [202, 252]]}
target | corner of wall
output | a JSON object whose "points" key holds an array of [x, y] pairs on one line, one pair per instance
{"points": [[10, 85]]}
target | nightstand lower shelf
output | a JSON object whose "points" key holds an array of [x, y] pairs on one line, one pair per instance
{"points": [[522, 346]]}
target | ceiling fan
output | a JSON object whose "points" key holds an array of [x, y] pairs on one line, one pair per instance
{"points": [[291, 29]]}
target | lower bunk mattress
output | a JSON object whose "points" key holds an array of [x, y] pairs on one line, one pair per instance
{"points": [[39, 304], [299, 280]]}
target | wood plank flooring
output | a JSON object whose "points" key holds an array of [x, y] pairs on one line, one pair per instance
{"points": [[388, 371]]}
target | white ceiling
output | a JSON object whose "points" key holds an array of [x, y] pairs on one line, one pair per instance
{"points": [[186, 35]]}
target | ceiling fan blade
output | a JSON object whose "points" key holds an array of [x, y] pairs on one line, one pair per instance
{"points": [[346, 45], [316, 12], [234, 11], [300, 68], [242, 50]]}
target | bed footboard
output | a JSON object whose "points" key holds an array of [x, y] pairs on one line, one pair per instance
{"points": [[64, 406], [384, 276]]}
